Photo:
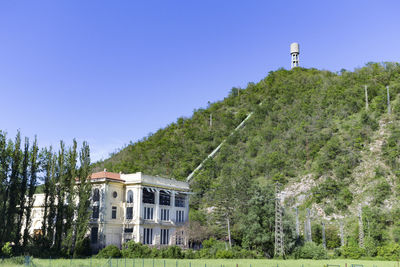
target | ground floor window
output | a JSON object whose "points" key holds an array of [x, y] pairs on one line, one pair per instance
{"points": [[148, 236], [164, 236], [128, 230], [94, 234], [179, 240]]}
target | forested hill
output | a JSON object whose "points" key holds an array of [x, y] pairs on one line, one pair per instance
{"points": [[310, 131]]}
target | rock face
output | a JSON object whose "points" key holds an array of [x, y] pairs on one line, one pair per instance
{"points": [[363, 177]]}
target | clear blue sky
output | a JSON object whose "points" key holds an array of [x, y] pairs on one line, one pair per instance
{"points": [[111, 72]]}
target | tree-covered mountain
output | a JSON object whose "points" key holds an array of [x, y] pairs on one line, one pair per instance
{"points": [[310, 130]]}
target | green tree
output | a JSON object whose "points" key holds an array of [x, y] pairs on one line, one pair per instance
{"points": [[84, 194]]}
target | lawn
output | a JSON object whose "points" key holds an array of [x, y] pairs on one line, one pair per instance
{"points": [[201, 263]]}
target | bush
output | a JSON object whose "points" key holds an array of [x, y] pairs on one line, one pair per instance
{"points": [[352, 252], [136, 250], [190, 254], [310, 250], [109, 251], [172, 252], [224, 254], [390, 251], [7, 250], [83, 248]]}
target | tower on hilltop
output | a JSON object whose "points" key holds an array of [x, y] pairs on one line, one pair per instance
{"points": [[294, 53]]}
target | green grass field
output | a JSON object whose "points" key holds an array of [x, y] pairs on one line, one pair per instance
{"points": [[201, 263]]}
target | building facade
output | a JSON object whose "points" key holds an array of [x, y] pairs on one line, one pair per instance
{"points": [[148, 209]]}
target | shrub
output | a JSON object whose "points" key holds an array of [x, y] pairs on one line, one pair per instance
{"points": [[390, 251], [352, 252], [224, 254], [136, 250], [109, 251], [7, 250], [172, 252], [310, 250], [190, 254], [83, 248]]}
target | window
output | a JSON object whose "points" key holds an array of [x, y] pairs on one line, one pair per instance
{"points": [[179, 238], [128, 230], [148, 196], [94, 234], [180, 200], [147, 236], [114, 213], [165, 198], [96, 194], [164, 236], [115, 194], [129, 197], [148, 213], [129, 213], [95, 213], [180, 216], [164, 215]]}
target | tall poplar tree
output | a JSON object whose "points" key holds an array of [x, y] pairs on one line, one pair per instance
{"points": [[70, 196], [5, 161], [22, 191], [12, 209], [51, 161], [33, 169], [60, 196], [84, 188]]}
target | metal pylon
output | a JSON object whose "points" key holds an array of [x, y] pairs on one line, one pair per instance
{"points": [[279, 242], [361, 228]]}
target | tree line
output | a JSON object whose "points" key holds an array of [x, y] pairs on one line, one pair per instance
{"points": [[62, 177]]}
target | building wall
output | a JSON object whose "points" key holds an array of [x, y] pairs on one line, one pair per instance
{"points": [[112, 230]]}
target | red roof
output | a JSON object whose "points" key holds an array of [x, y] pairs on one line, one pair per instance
{"points": [[106, 175]]}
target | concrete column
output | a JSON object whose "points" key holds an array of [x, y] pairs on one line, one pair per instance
{"points": [[172, 212], [138, 202], [187, 208], [157, 206], [138, 211]]}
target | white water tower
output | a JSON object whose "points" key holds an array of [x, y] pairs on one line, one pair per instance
{"points": [[294, 53]]}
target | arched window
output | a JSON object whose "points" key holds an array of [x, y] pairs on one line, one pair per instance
{"points": [[96, 194], [129, 197]]}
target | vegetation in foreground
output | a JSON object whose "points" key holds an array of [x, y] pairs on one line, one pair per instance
{"points": [[197, 263]]}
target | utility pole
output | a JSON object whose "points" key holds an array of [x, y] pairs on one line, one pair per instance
{"points": [[297, 223], [309, 237], [279, 242], [360, 228], [388, 100], [341, 234], [323, 235], [366, 97], [210, 120]]}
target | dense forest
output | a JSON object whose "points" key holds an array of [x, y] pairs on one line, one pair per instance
{"points": [[329, 138]]}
